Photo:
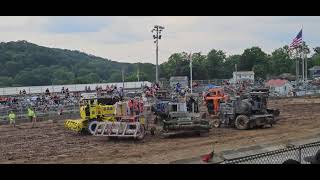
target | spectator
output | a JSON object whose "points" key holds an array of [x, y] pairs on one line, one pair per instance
{"points": [[32, 116], [45, 108], [62, 90], [67, 93], [60, 110], [47, 92], [89, 89], [131, 106], [12, 118], [177, 88]]}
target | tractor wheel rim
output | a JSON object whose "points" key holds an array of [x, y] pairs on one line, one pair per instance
{"points": [[241, 122]]}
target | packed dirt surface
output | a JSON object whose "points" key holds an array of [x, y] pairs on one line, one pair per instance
{"points": [[51, 143]]}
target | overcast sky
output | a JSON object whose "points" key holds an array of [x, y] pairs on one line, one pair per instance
{"points": [[129, 39]]}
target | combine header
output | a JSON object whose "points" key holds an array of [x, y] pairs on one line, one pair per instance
{"points": [[131, 126]]}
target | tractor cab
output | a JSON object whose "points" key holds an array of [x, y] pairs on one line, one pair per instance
{"points": [[258, 99], [93, 107], [193, 101]]}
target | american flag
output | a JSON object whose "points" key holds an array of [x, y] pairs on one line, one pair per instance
{"points": [[297, 41]]}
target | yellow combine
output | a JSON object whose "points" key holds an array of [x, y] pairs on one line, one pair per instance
{"points": [[92, 110]]}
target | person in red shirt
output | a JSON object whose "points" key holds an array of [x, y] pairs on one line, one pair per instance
{"points": [[130, 104]]}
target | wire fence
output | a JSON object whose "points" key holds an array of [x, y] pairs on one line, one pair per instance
{"points": [[278, 156], [69, 113]]}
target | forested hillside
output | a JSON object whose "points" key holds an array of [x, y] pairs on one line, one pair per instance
{"points": [[26, 64]]}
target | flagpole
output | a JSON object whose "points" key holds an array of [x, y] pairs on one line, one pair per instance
{"points": [[302, 61], [306, 66], [305, 63], [297, 66]]}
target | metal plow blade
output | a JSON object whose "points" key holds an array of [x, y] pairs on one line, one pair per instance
{"points": [[74, 125], [120, 129]]}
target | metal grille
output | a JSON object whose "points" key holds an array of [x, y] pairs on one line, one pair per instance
{"points": [[278, 156]]}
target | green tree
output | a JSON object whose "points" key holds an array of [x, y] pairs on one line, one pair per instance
{"points": [[229, 65], [199, 70], [25, 78], [115, 77], [255, 59], [214, 63], [281, 61], [62, 76], [5, 81]]}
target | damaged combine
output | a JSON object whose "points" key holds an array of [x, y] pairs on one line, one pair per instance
{"points": [[92, 109], [110, 117], [182, 117], [247, 112]]}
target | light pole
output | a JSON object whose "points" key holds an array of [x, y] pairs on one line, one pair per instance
{"points": [[157, 29], [191, 72], [122, 77]]}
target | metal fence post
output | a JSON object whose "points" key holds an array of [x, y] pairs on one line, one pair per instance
{"points": [[300, 154]]}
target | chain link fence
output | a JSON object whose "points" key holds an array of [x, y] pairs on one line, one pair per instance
{"points": [[278, 156]]}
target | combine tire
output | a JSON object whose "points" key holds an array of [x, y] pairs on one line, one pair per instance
{"points": [[153, 131], [204, 134], [141, 133], [242, 122], [92, 127]]}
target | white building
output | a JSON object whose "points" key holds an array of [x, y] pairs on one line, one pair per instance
{"points": [[280, 86], [243, 76]]}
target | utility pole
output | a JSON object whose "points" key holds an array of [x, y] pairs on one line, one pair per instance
{"points": [[157, 29], [123, 78], [302, 62], [297, 67], [191, 72], [235, 66], [138, 75], [306, 66]]}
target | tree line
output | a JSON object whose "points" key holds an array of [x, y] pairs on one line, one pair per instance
{"points": [[217, 65], [27, 64]]}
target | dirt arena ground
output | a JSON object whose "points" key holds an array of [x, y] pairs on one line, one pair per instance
{"points": [[51, 143]]}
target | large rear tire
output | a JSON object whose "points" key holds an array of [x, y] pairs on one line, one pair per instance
{"points": [[242, 122]]}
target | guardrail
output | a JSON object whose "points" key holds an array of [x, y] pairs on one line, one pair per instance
{"points": [[71, 87], [278, 156], [44, 117]]}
